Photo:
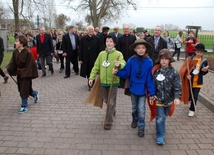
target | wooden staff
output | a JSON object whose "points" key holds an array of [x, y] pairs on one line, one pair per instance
{"points": [[109, 94], [190, 84]]}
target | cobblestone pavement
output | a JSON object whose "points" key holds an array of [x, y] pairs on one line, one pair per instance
{"points": [[60, 124]]}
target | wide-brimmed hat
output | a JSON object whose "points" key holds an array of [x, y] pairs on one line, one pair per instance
{"points": [[140, 41], [110, 36], [166, 54], [200, 47]]}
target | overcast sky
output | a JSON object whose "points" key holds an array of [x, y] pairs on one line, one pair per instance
{"points": [[157, 12]]}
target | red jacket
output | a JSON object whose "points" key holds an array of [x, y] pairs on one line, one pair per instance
{"points": [[34, 52], [190, 47]]}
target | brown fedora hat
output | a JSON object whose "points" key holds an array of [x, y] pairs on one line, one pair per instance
{"points": [[140, 41], [166, 54]]}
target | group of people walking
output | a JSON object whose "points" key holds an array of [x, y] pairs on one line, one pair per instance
{"points": [[143, 67]]}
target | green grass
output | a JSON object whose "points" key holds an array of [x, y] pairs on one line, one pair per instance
{"points": [[207, 40], [6, 60]]}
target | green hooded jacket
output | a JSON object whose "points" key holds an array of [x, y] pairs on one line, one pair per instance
{"points": [[105, 69]]}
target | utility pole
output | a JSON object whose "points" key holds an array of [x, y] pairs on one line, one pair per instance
{"points": [[37, 21]]}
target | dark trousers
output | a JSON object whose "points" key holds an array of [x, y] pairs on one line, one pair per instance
{"points": [[195, 96], [61, 61], [48, 61], [177, 51], [1, 71], [74, 61]]}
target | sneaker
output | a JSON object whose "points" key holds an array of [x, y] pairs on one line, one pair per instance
{"points": [[134, 124], [36, 97], [5, 79], [191, 113], [23, 109], [160, 141], [140, 133]]}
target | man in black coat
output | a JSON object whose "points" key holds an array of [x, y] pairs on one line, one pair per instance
{"points": [[157, 42], [45, 50], [125, 41], [102, 36], [70, 46], [123, 44], [89, 50]]}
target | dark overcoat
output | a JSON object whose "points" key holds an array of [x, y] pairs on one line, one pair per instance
{"points": [[123, 44], [23, 66], [153, 53], [89, 50]]}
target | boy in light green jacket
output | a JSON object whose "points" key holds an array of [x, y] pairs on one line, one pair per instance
{"points": [[103, 66]]}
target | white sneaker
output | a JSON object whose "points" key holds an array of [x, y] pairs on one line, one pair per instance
{"points": [[191, 113]]}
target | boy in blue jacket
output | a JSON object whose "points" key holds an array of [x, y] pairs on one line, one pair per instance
{"points": [[139, 70]]}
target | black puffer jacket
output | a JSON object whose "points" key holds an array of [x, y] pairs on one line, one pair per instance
{"points": [[168, 89]]}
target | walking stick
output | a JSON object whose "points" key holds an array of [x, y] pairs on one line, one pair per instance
{"points": [[190, 85], [109, 95], [14, 80]]}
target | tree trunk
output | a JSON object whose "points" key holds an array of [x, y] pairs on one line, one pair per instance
{"points": [[16, 13]]}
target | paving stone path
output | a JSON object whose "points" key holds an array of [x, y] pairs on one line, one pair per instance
{"points": [[60, 124]]}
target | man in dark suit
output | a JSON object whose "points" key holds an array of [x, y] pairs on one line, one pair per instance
{"points": [[116, 34], [45, 50], [89, 50], [157, 42], [70, 46], [123, 44]]}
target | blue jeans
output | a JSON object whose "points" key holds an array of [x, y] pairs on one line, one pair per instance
{"points": [[138, 110], [162, 112]]}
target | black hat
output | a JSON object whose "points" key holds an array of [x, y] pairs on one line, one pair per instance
{"points": [[166, 54], [109, 36], [140, 41], [105, 28], [200, 47]]}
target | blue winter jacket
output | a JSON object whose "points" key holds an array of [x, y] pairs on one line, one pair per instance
{"points": [[139, 70]]}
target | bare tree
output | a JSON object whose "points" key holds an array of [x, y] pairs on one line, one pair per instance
{"points": [[60, 21], [101, 11], [3, 13]]}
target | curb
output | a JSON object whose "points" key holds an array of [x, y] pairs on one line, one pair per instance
{"points": [[206, 101]]}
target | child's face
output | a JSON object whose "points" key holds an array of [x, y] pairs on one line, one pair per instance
{"points": [[110, 43], [164, 62], [199, 54], [18, 44], [140, 49]]}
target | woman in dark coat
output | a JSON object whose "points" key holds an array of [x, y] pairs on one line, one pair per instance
{"points": [[89, 50], [23, 66]]}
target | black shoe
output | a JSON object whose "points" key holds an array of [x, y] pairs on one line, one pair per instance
{"points": [[43, 75], [52, 71], [140, 133], [134, 124], [66, 76], [5, 79]]}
